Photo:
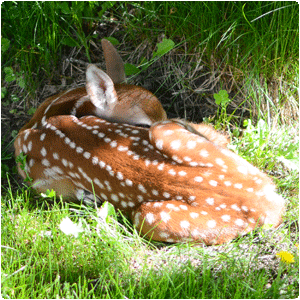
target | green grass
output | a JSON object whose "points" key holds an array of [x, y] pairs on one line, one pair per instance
{"points": [[246, 53], [117, 264]]}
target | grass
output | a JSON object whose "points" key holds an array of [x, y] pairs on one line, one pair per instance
{"points": [[40, 261], [244, 54]]}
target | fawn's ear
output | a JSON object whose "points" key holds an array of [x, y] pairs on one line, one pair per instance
{"points": [[113, 61], [100, 88]]}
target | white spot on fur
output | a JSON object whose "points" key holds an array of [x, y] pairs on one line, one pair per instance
{"points": [[159, 144], [183, 207], [194, 215], [165, 216], [149, 218], [204, 153], [225, 218], [46, 163], [211, 224], [172, 172], [114, 197], [191, 144], [43, 152], [198, 179], [213, 183], [220, 162], [175, 145], [166, 195], [168, 132], [186, 158], [128, 182], [184, 224], [235, 207], [142, 188], [238, 185], [210, 201], [239, 222], [155, 192]]}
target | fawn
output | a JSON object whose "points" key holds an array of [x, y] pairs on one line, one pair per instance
{"points": [[177, 182]]}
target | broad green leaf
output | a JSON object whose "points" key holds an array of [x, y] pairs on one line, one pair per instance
{"points": [[222, 98], [164, 47], [131, 69]]}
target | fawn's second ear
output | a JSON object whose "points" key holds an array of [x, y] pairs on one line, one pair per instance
{"points": [[100, 88], [114, 62]]}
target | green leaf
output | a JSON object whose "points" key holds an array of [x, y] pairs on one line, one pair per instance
{"points": [[64, 6], [14, 133], [222, 98], [3, 92], [164, 47], [10, 76], [4, 44], [48, 194], [21, 160], [8, 70], [21, 82], [131, 69], [247, 122]]}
